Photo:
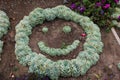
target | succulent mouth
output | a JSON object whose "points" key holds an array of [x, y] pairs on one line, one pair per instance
{"points": [[58, 51]]}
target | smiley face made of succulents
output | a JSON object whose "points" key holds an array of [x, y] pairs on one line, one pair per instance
{"points": [[43, 66], [58, 51]]}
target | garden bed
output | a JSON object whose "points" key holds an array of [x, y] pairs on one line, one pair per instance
{"points": [[105, 68], [55, 37]]}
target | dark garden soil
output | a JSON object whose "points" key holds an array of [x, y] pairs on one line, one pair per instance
{"points": [[55, 37], [105, 69], [118, 31]]}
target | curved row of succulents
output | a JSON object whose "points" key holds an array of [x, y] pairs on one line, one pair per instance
{"points": [[40, 64], [116, 16], [58, 51], [4, 24]]}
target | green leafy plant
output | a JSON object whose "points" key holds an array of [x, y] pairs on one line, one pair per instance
{"points": [[66, 29], [44, 29]]}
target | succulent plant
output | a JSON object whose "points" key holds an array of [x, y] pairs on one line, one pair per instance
{"points": [[4, 24], [44, 29], [58, 51], [66, 29]]}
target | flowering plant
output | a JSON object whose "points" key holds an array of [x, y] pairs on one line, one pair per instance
{"points": [[99, 11]]}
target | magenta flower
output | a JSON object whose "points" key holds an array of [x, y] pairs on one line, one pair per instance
{"points": [[116, 1], [73, 6], [106, 6], [81, 9], [98, 4], [103, 1], [118, 17]]}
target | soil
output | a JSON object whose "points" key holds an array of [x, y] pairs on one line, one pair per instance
{"points": [[105, 69], [55, 37]]}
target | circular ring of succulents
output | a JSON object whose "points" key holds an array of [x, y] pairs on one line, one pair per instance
{"points": [[40, 64], [66, 29], [4, 24], [58, 51]]}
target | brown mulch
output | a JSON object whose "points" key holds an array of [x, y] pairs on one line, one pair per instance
{"points": [[106, 67]]}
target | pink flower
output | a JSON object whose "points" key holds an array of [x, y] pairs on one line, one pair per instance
{"points": [[81, 9], [98, 4], [118, 17], [73, 6], [103, 1], [106, 6], [116, 1], [83, 35]]}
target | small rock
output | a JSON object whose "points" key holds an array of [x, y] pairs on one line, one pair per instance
{"points": [[13, 18], [11, 64], [12, 75], [110, 66]]}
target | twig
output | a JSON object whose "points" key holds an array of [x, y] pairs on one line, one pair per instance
{"points": [[116, 35]]}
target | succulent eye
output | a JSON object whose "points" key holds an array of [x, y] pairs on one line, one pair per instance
{"points": [[66, 29], [45, 29]]}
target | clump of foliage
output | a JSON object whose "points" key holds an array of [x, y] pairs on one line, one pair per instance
{"points": [[4, 25], [44, 29], [99, 11], [66, 29]]}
